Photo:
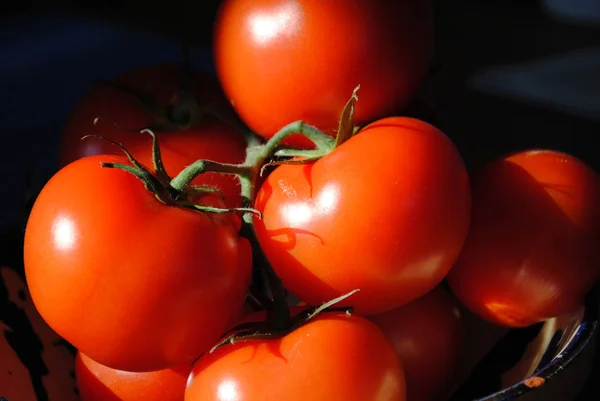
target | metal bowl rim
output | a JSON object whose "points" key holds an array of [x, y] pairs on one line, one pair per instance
{"points": [[581, 339]]}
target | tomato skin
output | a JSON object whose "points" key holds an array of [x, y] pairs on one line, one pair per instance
{"points": [[283, 60], [428, 335], [132, 283], [333, 357], [119, 113], [532, 251], [96, 382], [387, 212]]}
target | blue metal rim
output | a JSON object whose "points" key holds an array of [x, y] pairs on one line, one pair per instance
{"points": [[581, 339]]}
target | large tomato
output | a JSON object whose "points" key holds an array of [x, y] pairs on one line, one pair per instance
{"points": [[134, 284], [97, 382], [286, 60], [428, 336], [532, 251], [333, 357], [119, 112], [386, 212]]}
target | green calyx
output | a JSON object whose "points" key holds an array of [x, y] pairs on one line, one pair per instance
{"points": [[324, 143], [178, 191], [159, 183]]}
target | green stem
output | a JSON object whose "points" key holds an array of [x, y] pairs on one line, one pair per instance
{"points": [[303, 153], [248, 183], [257, 155], [278, 312], [185, 177], [279, 315], [323, 141]]}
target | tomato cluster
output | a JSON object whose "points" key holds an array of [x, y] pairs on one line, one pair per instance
{"points": [[194, 199]]}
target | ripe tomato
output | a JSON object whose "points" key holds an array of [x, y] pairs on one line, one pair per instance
{"points": [[532, 251], [333, 357], [283, 60], [428, 336], [119, 112], [386, 212], [97, 382], [132, 283]]}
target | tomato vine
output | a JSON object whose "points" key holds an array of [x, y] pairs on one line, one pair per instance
{"points": [[177, 191]]}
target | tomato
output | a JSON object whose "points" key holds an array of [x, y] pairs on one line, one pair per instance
{"points": [[119, 112], [532, 251], [285, 60], [96, 382], [386, 212], [134, 284], [428, 335], [333, 357]]}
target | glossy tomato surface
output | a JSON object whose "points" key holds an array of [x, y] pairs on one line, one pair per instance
{"points": [[532, 251], [96, 382], [285, 60], [132, 283], [387, 212], [120, 113], [333, 357], [428, 335]]}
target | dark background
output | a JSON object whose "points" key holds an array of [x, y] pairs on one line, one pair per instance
{"points": [[513, 76]]}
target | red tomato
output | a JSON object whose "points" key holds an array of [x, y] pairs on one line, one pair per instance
{"points": [[283, 60], [96, 382], [333, 357], [428, 336], [208, 139], [532, 251], [387, 212], [132, 283]]}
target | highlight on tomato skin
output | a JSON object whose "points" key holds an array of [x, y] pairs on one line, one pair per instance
{"points": [[532, 250], [333, 357], [96, 382], [428, 336], [133, 283], [386, 212], [281, 60]]}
